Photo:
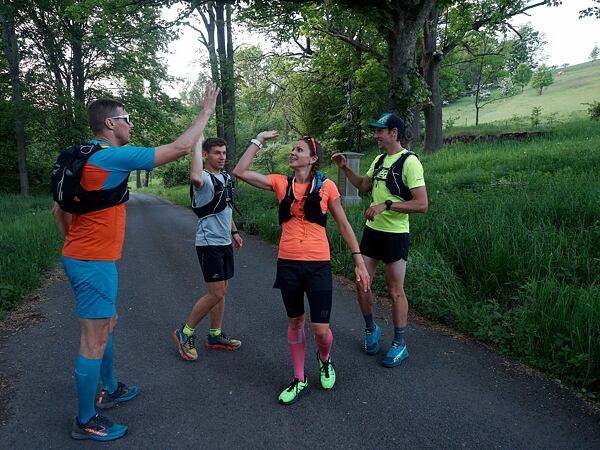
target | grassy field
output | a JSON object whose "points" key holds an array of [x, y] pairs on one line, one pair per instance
{"points": [[29, 244], [579, 84], [509, 251]]}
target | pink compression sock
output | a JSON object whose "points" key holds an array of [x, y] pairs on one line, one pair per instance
{"points": [[297, 341], [324, 345]]}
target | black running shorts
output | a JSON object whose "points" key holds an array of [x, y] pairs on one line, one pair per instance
{"points": [[385, 247], [216, 262], [294, 278]]}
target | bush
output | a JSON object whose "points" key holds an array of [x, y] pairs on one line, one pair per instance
{"points": [[535, 116], [594, 109], [176, 173], [450, 121]]}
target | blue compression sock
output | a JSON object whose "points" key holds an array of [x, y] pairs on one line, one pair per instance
{"points": [[107, 373], [399, 335], [87, 373], [369, 323]]}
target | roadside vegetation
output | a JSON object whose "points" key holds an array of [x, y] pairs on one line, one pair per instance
{"points": [[29, 244]]}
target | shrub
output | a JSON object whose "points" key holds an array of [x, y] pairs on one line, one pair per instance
{"points": [[536, 113], [594, 109], [175, 173], [449, 122]]}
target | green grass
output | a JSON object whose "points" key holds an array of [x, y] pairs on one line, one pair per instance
{"points": [[509, 251], [579, 84], [29, 245]]}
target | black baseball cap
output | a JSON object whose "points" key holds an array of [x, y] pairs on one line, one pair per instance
{"points": [[389, 120]]}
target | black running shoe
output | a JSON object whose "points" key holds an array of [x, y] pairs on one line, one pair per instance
{"points": [[121, 394], [98, 428]]}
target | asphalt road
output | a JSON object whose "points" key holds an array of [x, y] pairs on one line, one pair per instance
{"points": [[451, 393]]}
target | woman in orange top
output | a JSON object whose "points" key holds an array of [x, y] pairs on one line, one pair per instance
{"points": [[303, 263]]}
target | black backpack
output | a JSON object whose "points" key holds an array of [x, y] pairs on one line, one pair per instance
{"points": [[222, 197], [66, 179], [394, 181]]}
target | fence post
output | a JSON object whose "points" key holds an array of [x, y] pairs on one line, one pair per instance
{"points": [[349, 192]]}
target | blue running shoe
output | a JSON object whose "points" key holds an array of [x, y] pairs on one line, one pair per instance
{"points": [[121, 394], [372, 341], [395, 355], [98, 428]]}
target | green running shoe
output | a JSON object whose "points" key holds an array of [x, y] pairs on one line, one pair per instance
{"points": [[185, 344], [293, 391], [327, 372]]}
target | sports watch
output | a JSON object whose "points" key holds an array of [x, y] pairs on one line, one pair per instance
{"points": [[388, 205]]}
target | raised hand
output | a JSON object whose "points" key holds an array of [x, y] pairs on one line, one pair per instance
{"points": [[339, 159], [266, 135], [209, 98]]}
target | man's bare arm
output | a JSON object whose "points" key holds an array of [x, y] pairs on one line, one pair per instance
{"points": [[184, 143], [197, 164], [62, 218], [362, 183]]}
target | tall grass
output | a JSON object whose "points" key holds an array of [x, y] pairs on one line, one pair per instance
{"points": [[29, 245]]}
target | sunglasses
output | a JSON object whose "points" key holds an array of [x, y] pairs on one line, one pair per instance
{"points": [[311, 141], [124, 117]]}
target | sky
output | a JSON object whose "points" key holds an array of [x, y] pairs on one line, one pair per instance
{"points": [[570, 40]]}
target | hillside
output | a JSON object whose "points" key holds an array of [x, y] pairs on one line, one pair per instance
{"points": [[576, 85]]}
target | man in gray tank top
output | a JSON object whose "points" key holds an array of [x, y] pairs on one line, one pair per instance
{"points": [[216, 237]]}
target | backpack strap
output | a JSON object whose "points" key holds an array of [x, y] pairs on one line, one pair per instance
{"points": [[395, 179], [378, 165]]}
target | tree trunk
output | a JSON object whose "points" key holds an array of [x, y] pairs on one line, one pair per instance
{"points": [[78, 75], [228, 81], [401, 39], [209, 22], [222, 57], [138, 179], [478, 93], [431, 62], [11, 49], [147, 178]]}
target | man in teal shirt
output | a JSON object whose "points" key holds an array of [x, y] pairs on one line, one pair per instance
{"points": [[398, 188]]}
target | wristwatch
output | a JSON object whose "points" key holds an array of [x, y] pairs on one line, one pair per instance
{"points": [[388, 205], [257, 143]]}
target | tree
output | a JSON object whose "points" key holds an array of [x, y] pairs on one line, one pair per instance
{"points": [[485, 69], [71, 52], [11, 50], [522, 75], [595, 53], [217, 37], [456, 21], [542, 78], [394, 27], [335, 51], [525, 48], [592, 11]]}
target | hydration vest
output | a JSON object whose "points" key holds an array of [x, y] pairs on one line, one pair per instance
{"points": [[66, 182], [394, 181], [312, 204], [222, 197]]}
